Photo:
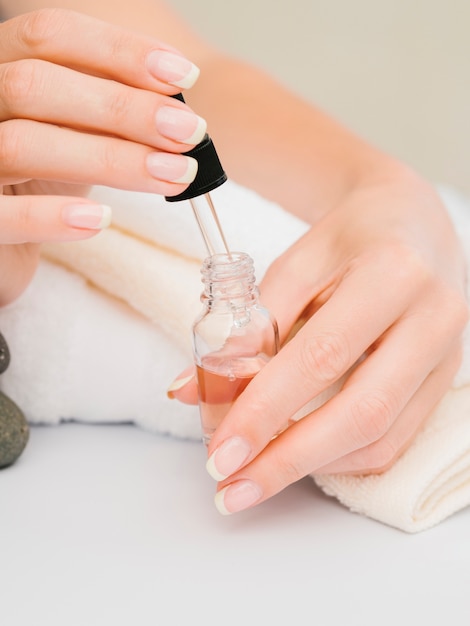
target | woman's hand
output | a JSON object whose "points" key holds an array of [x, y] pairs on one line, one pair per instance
{"points": [[81, 103], [380, 281]]}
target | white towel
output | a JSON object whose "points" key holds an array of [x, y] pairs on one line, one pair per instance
{"points": [[105, 326]]}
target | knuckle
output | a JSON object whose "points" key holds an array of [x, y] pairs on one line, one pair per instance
{"points": [[289, 470], [261, 404], [409, 266], [119, 45], [370, 417], [18, 83], [326, 356], [36, 29], [13, 146], [106, 157], [379, 456], [412, 270], [117, 106], [22, 216]]}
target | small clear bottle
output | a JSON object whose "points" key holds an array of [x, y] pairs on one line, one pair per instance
{"points": [[233, 337]]}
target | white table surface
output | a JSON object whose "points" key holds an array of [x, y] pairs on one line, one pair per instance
{"points": [[110, 525]]}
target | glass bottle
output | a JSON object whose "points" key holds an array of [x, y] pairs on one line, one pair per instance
{"points": [[233, 337]]}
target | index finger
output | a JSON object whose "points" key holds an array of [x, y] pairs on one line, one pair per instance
{"points": [[93, 46]]}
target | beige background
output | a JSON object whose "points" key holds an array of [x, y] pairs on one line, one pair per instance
{"points": [[395, 71]]}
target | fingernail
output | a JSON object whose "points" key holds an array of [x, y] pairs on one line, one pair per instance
{"points": [[237, 496], [93, 216], [172, 68], [180, 125], [228, 457], [174, 168], [178, 384]]}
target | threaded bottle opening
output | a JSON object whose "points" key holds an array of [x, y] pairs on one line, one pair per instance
{"points": [[229, 277]]}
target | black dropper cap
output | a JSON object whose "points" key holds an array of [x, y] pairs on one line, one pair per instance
{"points": [[210, 173]]}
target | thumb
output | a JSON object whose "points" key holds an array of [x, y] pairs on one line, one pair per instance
{"points": [[287, 296], [184, 387]]}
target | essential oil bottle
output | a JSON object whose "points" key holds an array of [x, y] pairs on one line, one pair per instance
{"points": [[233, 338]]}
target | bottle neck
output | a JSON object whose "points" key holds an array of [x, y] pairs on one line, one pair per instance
{"points": [[229, 281]]}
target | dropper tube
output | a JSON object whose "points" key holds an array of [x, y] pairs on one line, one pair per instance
{"points": [[209, 224], [210, 175]]}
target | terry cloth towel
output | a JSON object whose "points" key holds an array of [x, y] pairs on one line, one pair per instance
{"points": [[105, 326]]}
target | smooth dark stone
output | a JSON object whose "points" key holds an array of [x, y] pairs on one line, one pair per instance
{"points": [[14, 431], [4, 354]]}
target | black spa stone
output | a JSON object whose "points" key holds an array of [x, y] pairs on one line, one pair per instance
{"points": [[4, 354], [14, 431]]}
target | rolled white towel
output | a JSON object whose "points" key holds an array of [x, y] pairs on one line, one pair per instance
{"points": [[79, 354]]}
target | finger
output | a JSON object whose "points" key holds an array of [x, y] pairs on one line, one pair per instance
{"points": [[37, 219], [378, 391], [254, 485], [96, 47], [184, 387], [104, 106], [385, 382], [383, 453], [359, 311], [266, 477], [77, 157], [289, 286]]}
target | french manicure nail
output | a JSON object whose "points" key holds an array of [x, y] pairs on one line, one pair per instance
{"points": [[178, 384], [172, 68], [92, 216], [237, 496], [180, 125], [228, 457], [174, 168]]}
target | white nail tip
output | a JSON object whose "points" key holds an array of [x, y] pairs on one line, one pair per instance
{"points": [[179, 383], [212, 470], [189, 175], [106, 217], [198, 134], [220, 504], [187, 81]]}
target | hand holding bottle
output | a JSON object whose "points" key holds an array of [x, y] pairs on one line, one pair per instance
{"points": [[83, 102], [369, 278]]}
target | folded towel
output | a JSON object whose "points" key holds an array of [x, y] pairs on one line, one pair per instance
{"points": [[427, 484], [105, 326]]}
